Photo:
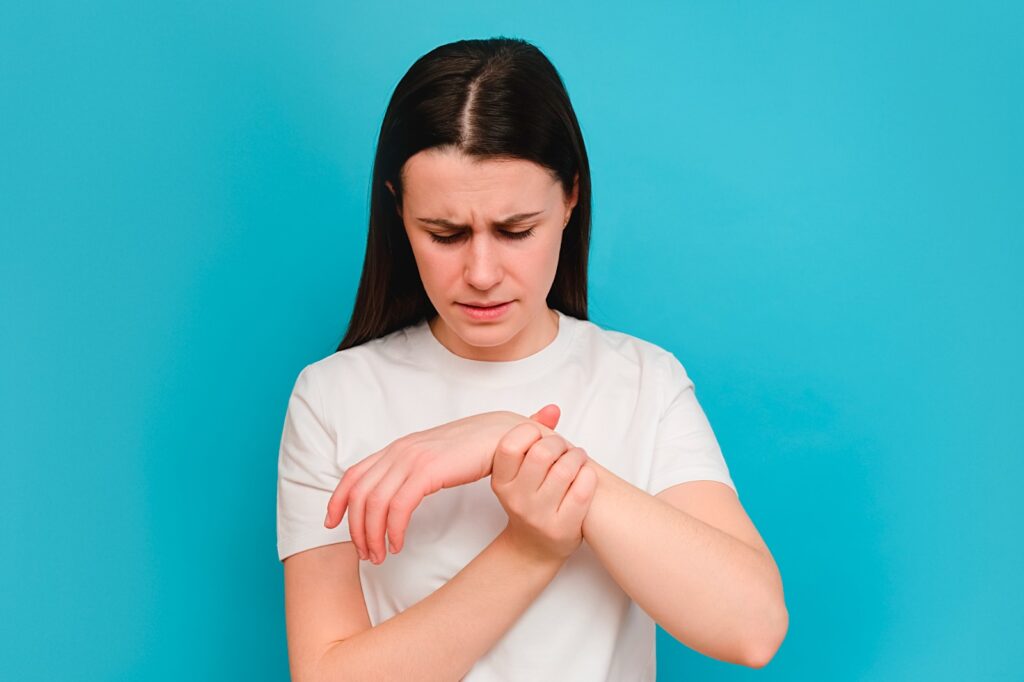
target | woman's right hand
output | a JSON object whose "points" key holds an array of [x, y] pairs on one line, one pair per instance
{"points": [[546, 488]]}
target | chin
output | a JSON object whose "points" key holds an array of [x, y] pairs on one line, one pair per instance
{"points": [[486, 333]]}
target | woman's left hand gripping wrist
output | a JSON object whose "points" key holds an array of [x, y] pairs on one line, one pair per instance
{"points": [[381, 491]]}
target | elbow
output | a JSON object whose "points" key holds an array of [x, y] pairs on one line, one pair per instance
{"points": [[314, 671], [763, 651]]}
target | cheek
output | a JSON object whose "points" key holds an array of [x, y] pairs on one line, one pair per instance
{"points": [[538, 267], [435, 266], [552, 253]]}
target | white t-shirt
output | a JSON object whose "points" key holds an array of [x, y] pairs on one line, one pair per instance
{"points": [[627, 402]]}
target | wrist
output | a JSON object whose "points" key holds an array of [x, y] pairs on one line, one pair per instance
{"points": [[528, 556]]}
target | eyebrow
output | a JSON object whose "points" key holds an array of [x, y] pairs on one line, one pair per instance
{"points": [[505, 222]]}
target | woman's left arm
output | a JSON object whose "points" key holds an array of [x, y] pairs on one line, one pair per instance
{"points": [[692, 559]]}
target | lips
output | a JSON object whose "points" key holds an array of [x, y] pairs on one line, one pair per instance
{"points": [[488, 313], [486, 305]]}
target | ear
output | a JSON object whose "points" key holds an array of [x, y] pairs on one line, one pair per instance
{"points": [[573, 198]]}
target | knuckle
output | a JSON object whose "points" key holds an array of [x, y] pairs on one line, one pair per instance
{"points": [[564, 469], [504, 447], [517, 438], [403, 500], [554, 442], [577, 457], [406, 442], [544, 452], [584, 494], [348, 479], [405, 448], [357, 469]]}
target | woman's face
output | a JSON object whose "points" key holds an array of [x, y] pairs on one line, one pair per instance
{"points": [[452, 208]]}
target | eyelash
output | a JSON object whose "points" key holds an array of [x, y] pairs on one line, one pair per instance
{"points": [[452, 238]]}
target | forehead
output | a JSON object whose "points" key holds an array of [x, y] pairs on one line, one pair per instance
{"points": [[450, 181]]}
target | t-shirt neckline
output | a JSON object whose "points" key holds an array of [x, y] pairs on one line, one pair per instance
{"points": [[494, 373]]}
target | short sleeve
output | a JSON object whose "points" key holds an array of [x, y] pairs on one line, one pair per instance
{"points": [[307, 473], [685, 446]]}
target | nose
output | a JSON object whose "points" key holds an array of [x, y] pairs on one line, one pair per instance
{"points": [[483, 267]]}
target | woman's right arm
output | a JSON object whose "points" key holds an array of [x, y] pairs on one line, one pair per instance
{"points": [[439, 638], [545, 488]]}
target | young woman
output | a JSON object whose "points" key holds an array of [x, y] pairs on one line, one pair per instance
{"points": [[547, 489]]}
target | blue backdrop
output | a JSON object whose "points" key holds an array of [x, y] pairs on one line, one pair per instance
{"points": [[817, 208]]}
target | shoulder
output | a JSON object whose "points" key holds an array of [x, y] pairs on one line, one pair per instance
{"points": [[370, 356], [607, 345], [358, 375]]}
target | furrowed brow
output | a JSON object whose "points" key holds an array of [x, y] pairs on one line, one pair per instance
{"points": [[505, 222]]}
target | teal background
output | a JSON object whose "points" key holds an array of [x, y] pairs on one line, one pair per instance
{"points": [[817, 206]]}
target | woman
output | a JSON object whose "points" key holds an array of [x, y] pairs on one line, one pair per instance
{"points": [[422, 432]]}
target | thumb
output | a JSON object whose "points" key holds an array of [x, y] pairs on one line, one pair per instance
{"points": [[547, 415]]}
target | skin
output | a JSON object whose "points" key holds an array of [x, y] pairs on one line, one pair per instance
{"points": [[443, 635], [689, 556], [485, 264], [382, 490]]}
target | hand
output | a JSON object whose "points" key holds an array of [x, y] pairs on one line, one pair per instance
{"points": [[546, 487], [382, 490]]}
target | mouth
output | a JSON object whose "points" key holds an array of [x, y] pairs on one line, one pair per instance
{"points": [[483, 306], [488, 312]]}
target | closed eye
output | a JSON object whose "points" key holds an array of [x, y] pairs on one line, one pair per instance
{"points": [[451, 238]]}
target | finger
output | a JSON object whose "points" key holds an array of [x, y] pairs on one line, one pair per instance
{"points": [[339, 498], [511, 449], [357, 506], [538, 460], [378, 505], [560, 476], [547, 415], [576, 503], [403, 503], [338, 504]]}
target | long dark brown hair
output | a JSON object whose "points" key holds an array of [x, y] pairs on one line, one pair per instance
{"points": [[489, 99]]}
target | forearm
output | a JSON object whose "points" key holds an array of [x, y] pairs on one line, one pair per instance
{"points": [[443, 635], [709, 590]]}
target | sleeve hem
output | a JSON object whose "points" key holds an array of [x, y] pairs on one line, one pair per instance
{"points": [[294, 544], [667, 479]]}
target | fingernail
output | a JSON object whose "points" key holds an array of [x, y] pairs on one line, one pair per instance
{"points": [[391, 546], [327, 518], [362, 554]]}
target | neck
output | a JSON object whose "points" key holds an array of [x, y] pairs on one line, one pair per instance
{"points": [[535, 336]]}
